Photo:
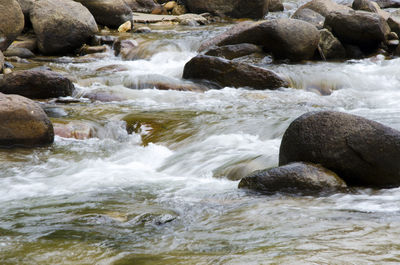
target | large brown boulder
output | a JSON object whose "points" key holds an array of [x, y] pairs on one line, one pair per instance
{"points": [[295, 178], [61, 26], [233, 74], [110, 13], [11, 22], [285, 38], [255, 9], [364, 29], [36, 84], [23, 123], [143, 6], [362, 152]]}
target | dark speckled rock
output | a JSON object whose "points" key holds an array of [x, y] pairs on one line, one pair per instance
{"points": [[295, 178]]}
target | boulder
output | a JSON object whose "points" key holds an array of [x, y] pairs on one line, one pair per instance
{"points": [[364, 29], [233, 74], [310, 16], [11, 22], [323, 7], [330, 46], [295, 178], [285, 38], [26, 6], [61, 26], [144, 6], [19, 52], [388, 3], [23, 123], [234, 51], [275, 6], [365, 5], [36, 84], [110, 13], [255, 9], [362, 152]]}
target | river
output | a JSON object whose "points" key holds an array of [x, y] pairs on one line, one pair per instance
{"points": [[159, 195]]}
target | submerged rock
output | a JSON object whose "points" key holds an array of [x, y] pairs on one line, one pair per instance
{"points": [[228, 73], [11, 22], [61, 26], [295, 178], [23, 123], [127, 49], [110, 13], [255, 9], [36, 84], [360, 151], [77, 130]]}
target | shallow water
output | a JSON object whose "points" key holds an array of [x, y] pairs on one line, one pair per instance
{"points": [[149, 196]]}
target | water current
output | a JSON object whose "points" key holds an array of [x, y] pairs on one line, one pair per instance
{"points": [[159, 194]]}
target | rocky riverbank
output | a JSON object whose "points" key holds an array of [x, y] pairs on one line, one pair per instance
{"points": [[319, 30]]}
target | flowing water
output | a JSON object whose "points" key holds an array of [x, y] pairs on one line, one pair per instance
{"points": [[151, 196]]}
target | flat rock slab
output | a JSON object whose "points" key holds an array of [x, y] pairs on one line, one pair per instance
{"points": [[150, 18]]}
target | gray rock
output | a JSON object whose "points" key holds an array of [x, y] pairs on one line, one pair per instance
{"points": [[285, 38], [330, 46], [36, 84], [310, 16], [234, 51], [19, 52], [11, 22], [228, 73], [23, 123], [295, 178], [61, 26], [362, 152], [144, 6]]}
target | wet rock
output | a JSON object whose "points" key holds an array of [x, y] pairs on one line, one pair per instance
{"points": [[295, 178], [29, 43], [285, 38], [234, 51], [323, 7], [86, 49], [7, 70], [144, 6], [61, 26], [102, 96], [11, 22], [353, 51], [142, 30], [228, 73], [330, 46], [76, 130], [364, 29], [176, 86], [394, 24], [110, 13], [362, 152], [19, 52], [179, 10], [310, 16], [101, 40], [127, 26], [275, 6], [23, 123], [36, 84], [127, 49], [256, 9]]}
